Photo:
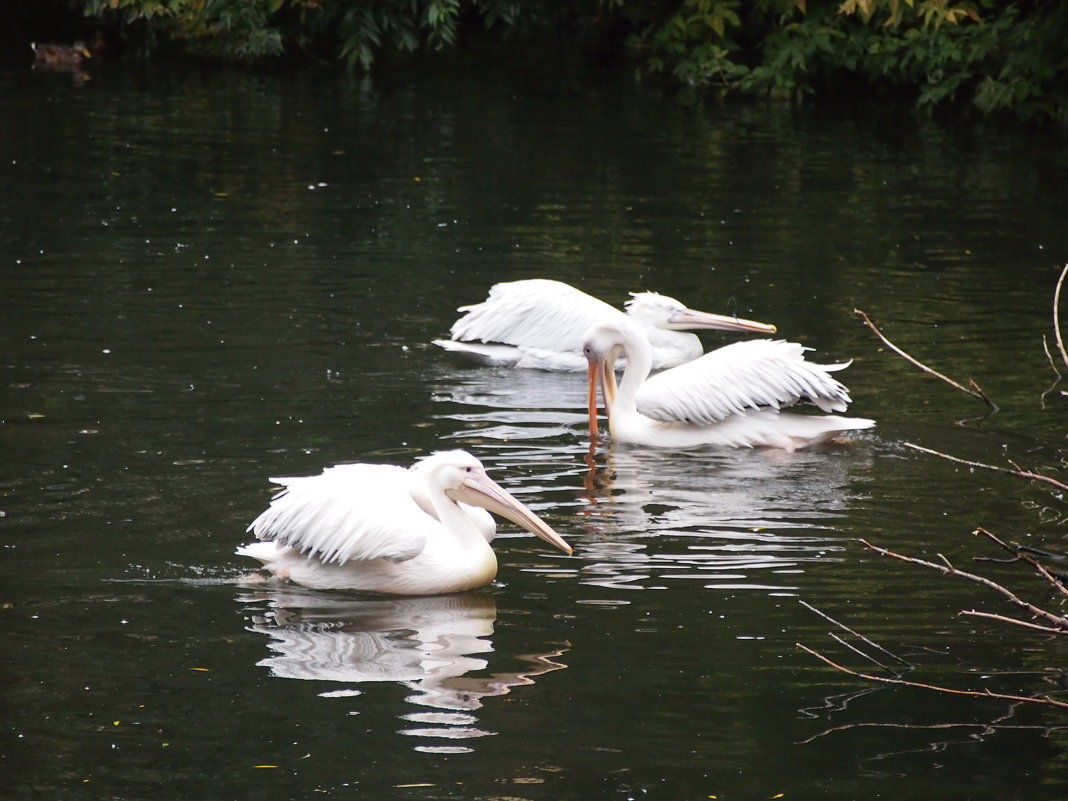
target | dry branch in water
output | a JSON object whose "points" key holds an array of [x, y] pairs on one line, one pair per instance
{"points": [[1042, 700], [1016, 470], [1046, 622], [1058, 623], [861, 637], [976, 391], [1057, 316]]}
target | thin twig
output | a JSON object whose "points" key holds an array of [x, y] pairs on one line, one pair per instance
{"points": [[856, 634], [986, 727], [1053, 366], [1058, 622], [1043, 700], [1015, 471], [1057, 316], [1040, 568], [846, 644], [1003, 619], [976, 391]]}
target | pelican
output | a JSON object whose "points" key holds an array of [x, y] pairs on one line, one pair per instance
{"points": [[380, 528], [732, 396], [539, 323]]}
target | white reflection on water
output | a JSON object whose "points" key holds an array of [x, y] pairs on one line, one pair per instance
{"points": [[429, 645], [729, 519], [642, 519]]}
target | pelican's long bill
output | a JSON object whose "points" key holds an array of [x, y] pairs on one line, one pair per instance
{"points": [[601, 372], [691, 320], [487, 493]]}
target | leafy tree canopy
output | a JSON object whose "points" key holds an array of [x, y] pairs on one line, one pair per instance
{"points": [[999, 56]]}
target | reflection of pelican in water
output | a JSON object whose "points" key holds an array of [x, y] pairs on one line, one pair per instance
{"points": [[731, 519], [428, 644], [512, 405]]}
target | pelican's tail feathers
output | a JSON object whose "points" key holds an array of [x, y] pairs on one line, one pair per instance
{"points": [[264, 552], [481, 353]]}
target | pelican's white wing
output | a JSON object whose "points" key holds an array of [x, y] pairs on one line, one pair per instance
{"points": [[759, 373], [534, 313], [348, 512]]}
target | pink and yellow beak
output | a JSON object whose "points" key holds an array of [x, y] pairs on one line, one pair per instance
{"points": [[483, 491], [691, 320], [600, 373]]}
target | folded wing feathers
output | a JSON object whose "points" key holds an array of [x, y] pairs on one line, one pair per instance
{"points": [[348, 512], [532, 313], [755, 374]]}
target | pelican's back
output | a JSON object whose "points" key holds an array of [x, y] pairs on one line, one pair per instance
{"points": [[741, 377], [536, 313], [359, 511]]}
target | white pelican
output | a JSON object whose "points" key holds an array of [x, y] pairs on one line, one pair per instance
{"points": [[539, 323], [731, 396], [381, 528]]}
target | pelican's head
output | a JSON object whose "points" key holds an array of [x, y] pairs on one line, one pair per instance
{"points": [[655, 310], [463, 479], [602, 346]]}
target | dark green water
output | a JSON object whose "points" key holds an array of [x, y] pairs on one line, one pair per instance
{"points": [[211, 277]]}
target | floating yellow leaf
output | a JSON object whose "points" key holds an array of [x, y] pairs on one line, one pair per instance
{"points": [[202, 670], [265, 766]]}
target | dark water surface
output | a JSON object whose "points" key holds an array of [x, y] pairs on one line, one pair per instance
{"points": [[212, 277]]}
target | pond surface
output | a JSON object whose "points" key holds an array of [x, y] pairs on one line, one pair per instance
{"points": [[212, 277]]}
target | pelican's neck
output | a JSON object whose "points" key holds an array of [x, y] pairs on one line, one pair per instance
{"points": [[459, 523], [639, 362]]}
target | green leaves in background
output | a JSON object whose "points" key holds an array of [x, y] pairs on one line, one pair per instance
{"points": [[998, 56]]}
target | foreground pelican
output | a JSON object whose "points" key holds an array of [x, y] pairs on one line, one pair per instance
{"points": [[381, 528], [731, 396], [539, 323]]}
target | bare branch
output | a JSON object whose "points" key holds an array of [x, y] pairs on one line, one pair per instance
{"points": [[846, 644], [859, 636], [1013, 472], [1012, 620], [1058, 622], [1049, 358], [1057, 316], [1056, 372], [976, 391], [1042, 700], [983, 727], [1022, 556]]}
